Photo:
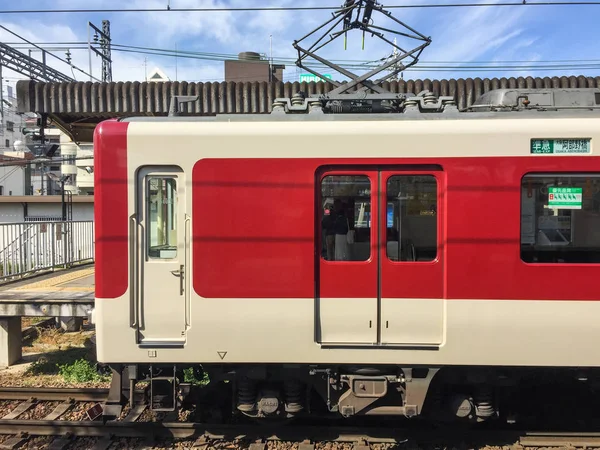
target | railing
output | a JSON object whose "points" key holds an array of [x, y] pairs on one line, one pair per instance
{"points": [[29, 247]]}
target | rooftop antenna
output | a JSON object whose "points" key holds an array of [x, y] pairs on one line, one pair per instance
{"points": [[358, 14]]}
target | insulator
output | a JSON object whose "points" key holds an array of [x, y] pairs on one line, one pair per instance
{"points": [[293, 391], [246, 395], [278, 105], [315, 105], [298, 99], [429, 99]]}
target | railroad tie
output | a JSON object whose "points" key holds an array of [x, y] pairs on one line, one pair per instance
{"points": [[60, 443], [306, 445], [14, 442], [258, 446], [201, 443], [135, 413], [59, 410], [103, 443], [20, 409], [361, 445]]}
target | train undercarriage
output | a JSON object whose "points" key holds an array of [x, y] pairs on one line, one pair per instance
{"points": [[281, 393]]}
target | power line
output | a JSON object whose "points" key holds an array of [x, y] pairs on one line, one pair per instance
{"points": [[474, 66], [285, 60], [297, 8], [49, 53], [29, 162]]}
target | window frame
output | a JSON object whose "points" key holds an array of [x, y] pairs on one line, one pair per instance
{"points": [[522, 186], [366, 173], [438, 203], [174, 213], [382, 173]]}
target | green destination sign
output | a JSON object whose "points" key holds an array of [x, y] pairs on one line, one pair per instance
{"points": [[308, 77], [560, 146], [565, 197]]}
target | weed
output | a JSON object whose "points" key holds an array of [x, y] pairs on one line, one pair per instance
{"points": [[80, 371], [72, 364], [190, 375]]}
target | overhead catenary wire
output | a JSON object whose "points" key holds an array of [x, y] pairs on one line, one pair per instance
{"points": [[519, 3], [28, 162], [432, 66], [83, 46], [559, 64], [49, 53]]}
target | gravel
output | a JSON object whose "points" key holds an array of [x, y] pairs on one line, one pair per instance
{"points": [[39, 411], [7, 406], [78, 412]]}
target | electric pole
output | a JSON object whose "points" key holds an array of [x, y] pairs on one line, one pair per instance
{"points": [[105, 45], [103, 38]]}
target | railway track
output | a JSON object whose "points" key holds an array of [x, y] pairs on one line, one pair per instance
{"points": [[256, 437], [62, 433]]}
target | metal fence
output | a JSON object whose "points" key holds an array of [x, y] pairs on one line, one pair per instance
{"points": [[30, 247]]}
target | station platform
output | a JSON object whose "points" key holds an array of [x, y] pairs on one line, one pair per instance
{"points": [[67, 294]]}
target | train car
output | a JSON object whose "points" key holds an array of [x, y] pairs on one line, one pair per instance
{"points": [[352, 263]]}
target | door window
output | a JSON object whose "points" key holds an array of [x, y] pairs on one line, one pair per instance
{"points": [[411, 218], [162, 217], [345, 218]]}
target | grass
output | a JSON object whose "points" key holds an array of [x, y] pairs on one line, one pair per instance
{"points": [[81, 371], [51, 339], [190, 376], [73, 365]]}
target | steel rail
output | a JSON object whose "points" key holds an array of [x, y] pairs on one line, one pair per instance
{"points": [[58, 394], [181, 430]]}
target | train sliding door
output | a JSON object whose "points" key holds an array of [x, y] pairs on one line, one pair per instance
{"points": [[347, 295], [380, 269], [162, 258]]}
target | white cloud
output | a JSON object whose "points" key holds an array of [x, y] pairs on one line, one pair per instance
{"points": [[461, 34]]}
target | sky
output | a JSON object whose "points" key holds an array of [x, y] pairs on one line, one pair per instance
{"points": [[533, 35]]}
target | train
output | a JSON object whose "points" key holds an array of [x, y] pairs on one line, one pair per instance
{"points": [[399, 259]]}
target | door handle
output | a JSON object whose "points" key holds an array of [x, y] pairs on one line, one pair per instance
{"points": [[181, 274]]}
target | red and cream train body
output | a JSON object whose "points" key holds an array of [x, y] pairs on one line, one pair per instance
{"points": [[361, 256]]}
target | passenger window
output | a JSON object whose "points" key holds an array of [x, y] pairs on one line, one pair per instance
{"points": [[345, 217], [411, 218], [162, 217], [560, 218]]}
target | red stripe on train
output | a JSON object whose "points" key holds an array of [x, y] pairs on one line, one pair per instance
{"points": [[110, 179]]}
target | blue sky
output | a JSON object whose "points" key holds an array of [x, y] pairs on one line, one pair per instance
{"points": [[461, 35]]}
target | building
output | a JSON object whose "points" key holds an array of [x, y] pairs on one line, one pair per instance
{"points": [[12, 122], [19, 144], [15, 175], [157, 75], [250, 66]]}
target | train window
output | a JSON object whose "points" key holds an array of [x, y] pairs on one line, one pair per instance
{"points": [[560, 218], [161, 210], [412, 218], [345, 215]]}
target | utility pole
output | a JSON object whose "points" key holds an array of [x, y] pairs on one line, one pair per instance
{"points": [[270, 58], [105, 45], [1, 96], [103, 37], [145, 69]]}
